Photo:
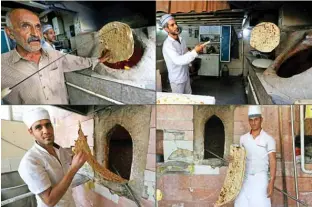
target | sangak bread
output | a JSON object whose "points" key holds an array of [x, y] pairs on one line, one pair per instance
{"points": [[81, 144], [265, 37], [234, 176], [117, 37], [177, 100]]}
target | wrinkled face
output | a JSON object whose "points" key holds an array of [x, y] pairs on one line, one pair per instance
{"points": [[26, 30], [50, 35], [255, 123], [43, 132], [172, 27]]}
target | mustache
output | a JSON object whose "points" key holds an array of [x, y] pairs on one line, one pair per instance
{"points": [[33, 39]]}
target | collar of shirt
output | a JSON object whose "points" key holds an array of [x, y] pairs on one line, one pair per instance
{"points": [[172, 39], [257, 138], [55, 146], [15, 56]]}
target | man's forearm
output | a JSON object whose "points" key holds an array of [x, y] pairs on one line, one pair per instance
{"points": [[272, 166], [57, 192]]}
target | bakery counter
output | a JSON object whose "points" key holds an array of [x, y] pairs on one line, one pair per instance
{"points": [[258, 91]]}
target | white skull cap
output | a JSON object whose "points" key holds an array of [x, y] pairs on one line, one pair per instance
{"points": [[254, 111], [37, 114]]}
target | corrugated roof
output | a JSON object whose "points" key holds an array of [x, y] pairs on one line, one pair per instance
{"points": [[173, 7]]}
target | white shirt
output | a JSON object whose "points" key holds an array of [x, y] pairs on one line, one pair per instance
{"points": [[177, 59], [258, 150], [40, 171], [46, 45]]}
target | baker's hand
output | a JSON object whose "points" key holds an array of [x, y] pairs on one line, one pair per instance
{"points": [[105, 56], [270, 189], [78, 160], [199, 48]]}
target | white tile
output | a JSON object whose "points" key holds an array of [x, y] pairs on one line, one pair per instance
{"points": [[103, 191], [115, 198], [206, 170], [169, 147], [149, 176], [185, 145]]}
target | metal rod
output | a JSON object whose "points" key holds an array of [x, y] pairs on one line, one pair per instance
{"points": [[40, 69], [129, 189], [16, 198], [292, 197], [302, 141], [54, 62], [283, 171], [294, 152], [217, 156], [297, 200]]}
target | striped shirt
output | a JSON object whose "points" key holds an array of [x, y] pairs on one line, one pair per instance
{"points": [[47, 86]]}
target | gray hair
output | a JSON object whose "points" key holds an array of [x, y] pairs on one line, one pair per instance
{"points": [[8, 19]]}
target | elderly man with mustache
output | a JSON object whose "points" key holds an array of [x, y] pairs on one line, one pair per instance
{"points": [[48, 85]]}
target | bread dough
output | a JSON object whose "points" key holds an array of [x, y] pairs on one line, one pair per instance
{"points": [[81, 144], [265, 37], [234, 176], [117, 37]]}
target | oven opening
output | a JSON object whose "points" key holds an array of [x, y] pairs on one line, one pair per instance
{"points": [[214, 138], [120, 151], [296, 64]]}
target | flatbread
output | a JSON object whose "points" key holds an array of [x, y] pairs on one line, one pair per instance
{"points": [[265, 37], [177, 100], [117, 37], [81, 144], [234, 176]]}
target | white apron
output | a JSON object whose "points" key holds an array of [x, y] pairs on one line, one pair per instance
{"points": [[254, 191]]}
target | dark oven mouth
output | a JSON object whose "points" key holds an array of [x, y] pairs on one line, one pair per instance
{"points": [[296, 64]]}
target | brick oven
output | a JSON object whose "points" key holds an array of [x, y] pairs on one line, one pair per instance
{"points": [[121, 141]]}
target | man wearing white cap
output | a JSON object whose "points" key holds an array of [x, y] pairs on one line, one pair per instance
{"points": [[46, 168], [44, 87], [49, 36], [177, 56], [257, 188]]}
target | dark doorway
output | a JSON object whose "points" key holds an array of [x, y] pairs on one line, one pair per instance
{"points": [[120, 151], [214, 137]]}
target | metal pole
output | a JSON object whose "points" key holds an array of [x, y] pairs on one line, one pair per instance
{"points": [[16, 198], [294, 151], [129, 189]]}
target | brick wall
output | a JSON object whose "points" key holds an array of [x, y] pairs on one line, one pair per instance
{"points": [[203, 190]]}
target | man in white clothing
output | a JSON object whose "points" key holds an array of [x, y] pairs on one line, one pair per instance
{"points": [[177, 56], [47, 168], [49, 37], [260, 147]]}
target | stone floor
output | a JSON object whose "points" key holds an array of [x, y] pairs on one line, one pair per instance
{"points": [[225, 91]]}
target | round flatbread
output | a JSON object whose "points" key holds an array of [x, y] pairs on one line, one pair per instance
{"points": [[265, 37], [117, 37]]}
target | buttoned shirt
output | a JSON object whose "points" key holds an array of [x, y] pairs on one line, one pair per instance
{"points": [[45, 87], [41, 170], [258, 150], [177, 59]]}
